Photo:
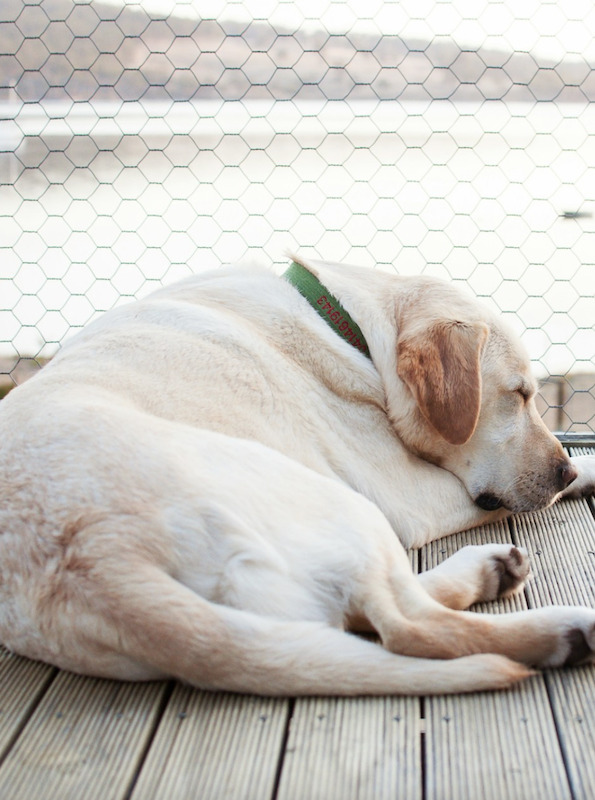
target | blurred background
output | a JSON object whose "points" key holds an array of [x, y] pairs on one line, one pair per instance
{"points": [[142, 142]]}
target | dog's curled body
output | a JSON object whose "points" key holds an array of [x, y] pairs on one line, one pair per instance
{"points": [[207, 484]]}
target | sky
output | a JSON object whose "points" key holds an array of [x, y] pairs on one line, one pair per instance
{"points": [[546, 28]]}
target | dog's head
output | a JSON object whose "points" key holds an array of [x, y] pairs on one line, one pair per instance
{"points": [[458, 385], [469, 401]]}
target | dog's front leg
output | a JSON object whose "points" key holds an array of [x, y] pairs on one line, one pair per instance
{"points": [[584, 485], [477, 574]]}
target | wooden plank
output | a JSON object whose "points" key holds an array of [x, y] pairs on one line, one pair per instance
{"points": [[572, 695], [494, 747], [214, 746], [84, 740], [437, 551], [352, 748], [364, 747], [562, 544], [22, 682], [491, 745]]}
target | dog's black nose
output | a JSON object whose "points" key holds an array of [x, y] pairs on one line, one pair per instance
{"points": [[565, 474], [489, 502]]}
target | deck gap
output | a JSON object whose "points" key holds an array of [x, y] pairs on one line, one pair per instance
{"points": [[590, 501], [283, 747], [32, 709], [150, 738], [511, 531], [559, 736], [422, 747], [514, 540]]}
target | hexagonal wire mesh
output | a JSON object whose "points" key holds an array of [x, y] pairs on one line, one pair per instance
{"points": [[140, 142]]}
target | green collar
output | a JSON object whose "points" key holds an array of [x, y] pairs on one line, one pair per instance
{"points": [[329, 308]]}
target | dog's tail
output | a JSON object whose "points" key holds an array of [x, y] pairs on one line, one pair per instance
{"points": [[171, 631]]}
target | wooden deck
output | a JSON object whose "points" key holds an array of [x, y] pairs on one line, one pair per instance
{"points": [[63, 736]]}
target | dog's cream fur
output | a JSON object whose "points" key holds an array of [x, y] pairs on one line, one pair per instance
{"points": [[207, 484]]}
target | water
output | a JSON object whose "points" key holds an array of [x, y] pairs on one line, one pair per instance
{"points": [[99, 204]]}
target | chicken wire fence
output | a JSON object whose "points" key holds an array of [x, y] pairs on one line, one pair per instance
{"points": [[141, 142]]}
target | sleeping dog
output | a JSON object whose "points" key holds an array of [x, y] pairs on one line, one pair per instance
{"points": [[218, 483]]}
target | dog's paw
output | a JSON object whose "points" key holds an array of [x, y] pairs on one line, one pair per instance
{"points": [[584, 485], [575, 640], [505, 571], [477, 573]]}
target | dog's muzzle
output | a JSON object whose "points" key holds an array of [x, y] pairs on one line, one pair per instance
{"points": [[565, 473]]}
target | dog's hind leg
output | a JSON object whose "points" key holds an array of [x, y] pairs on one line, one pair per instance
{"points": [[147, 618], [477, 574]]}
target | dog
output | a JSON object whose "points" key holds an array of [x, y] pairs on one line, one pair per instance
{"points": [[218, 483]]}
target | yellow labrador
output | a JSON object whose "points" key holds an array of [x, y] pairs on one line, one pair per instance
{"points": [[207, 484]]}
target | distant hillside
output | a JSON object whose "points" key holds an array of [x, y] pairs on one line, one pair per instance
{"points": [[61, 50], [14, 371]]}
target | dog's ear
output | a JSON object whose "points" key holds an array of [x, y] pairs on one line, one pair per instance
{"points": [[441, 367]]}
